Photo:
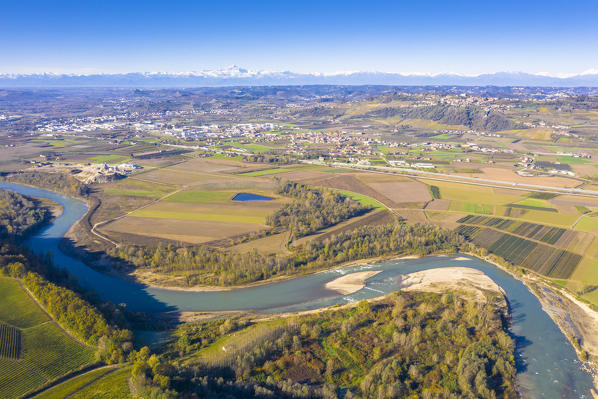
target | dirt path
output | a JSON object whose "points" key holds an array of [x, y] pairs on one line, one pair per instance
{"points": [[102, 236]]}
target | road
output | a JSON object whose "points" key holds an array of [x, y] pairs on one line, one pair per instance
{"points": [[475, 181]]}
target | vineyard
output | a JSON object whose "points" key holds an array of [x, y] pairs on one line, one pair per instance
{"points": [[10, 342], [38, 351], [543, 259], [50, 352]]}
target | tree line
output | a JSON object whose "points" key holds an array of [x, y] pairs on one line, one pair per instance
{"points": [[312, 209], [19, 213], [204, 265], [60, 182]]}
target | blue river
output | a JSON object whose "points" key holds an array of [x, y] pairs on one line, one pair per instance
{"points": [[546, 361]]}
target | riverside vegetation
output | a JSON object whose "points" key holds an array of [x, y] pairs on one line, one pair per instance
{"points": [[406, 345], [18, 213], [204, 265]]}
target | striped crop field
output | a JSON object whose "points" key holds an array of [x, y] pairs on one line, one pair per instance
{"points": [[548, 234], [10, 342], [543, 259]]}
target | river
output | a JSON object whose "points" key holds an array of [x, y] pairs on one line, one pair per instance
{"points": [[546, 361]]}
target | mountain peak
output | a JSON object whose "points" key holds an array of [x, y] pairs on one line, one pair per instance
{"points": [[235, 75]]}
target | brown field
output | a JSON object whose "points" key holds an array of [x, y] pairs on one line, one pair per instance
{"points": [[173, 176], [274, 244], [301, 175], [403, 191], [382, 178], [438, 205], [584, 170], [208, 165], [565, 208], [413, 215], [354, 184], [444, 219], [580, 244], [574, 200], [188, 231]]}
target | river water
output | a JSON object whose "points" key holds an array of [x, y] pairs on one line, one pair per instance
{"points": [[547, 364]]}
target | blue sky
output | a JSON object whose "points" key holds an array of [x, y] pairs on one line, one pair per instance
{"points": [[468, 37]]}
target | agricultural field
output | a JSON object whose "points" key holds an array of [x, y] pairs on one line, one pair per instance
{"points": [[543, 259], [76, 384], [113, 385], [10, 342], [538, 232], [38, 350], [191, 202], [266, 172]]}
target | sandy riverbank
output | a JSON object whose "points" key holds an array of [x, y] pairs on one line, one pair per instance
{"points": [[351, 283], [450, 278]]}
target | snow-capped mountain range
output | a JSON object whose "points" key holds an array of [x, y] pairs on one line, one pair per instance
{"points": [[236, 76]]}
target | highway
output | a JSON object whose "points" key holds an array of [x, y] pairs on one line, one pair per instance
{"points": [[476, 181]]}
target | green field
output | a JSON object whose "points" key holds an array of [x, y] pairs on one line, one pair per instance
{"points": [[470, 207], [534, 203], [111, 386], [75, 384], [362, 199], [13, 298], [201, 197], [46, 352], [208, 217], [266, 172], [572, 160], [587, 223]]}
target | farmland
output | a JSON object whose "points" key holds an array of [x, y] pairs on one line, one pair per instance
{"points": [[190, 202], [34, 349], [104, 384], [547, 234], [75, 384], [543, 259], [10, 342]]}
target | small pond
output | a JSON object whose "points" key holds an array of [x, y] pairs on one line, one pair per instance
{"points": [[251, 197]]}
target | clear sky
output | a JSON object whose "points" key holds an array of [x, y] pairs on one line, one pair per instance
{"points": [[417, 36]]}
